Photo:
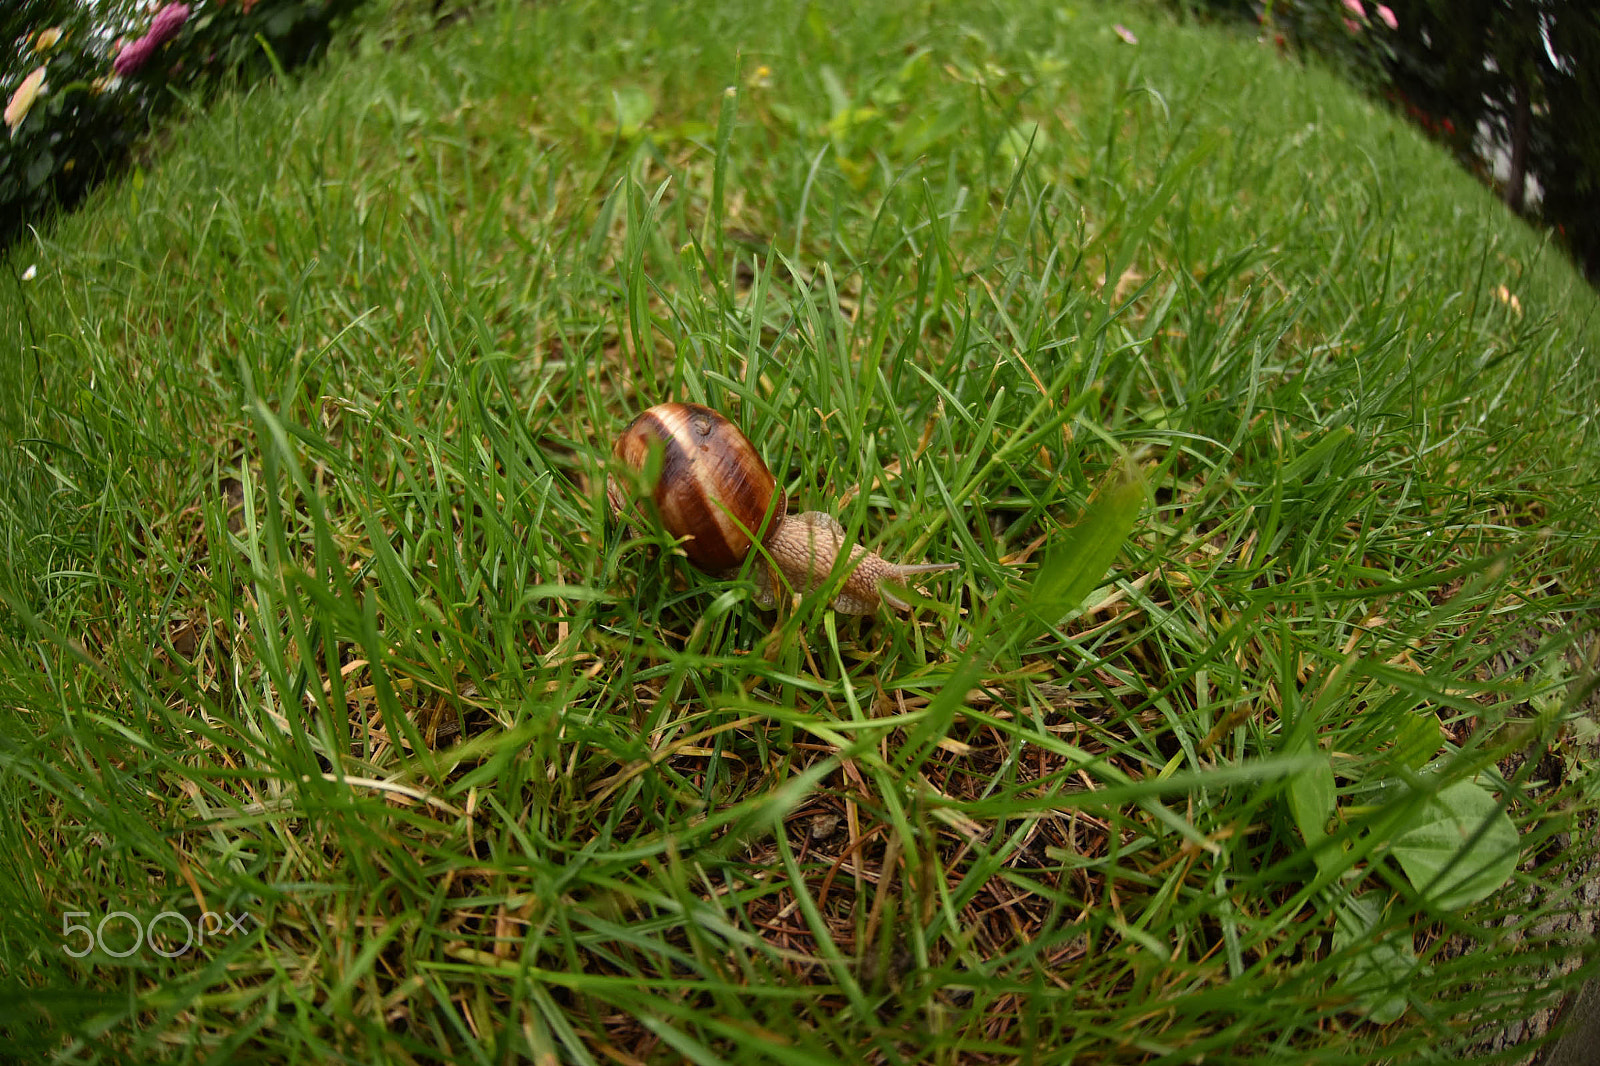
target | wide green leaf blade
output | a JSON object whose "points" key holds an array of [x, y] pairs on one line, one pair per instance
{"points": [[1086, 551], [1312, 800], [1458, 847]]}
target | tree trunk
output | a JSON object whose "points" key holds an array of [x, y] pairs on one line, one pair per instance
{"points": [[1521, 117]]}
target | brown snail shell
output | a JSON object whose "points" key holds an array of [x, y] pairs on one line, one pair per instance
{"points": [[716, 494], [713, 489]]}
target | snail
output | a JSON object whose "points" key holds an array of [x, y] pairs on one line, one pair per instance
{"points": [[715, 491]]}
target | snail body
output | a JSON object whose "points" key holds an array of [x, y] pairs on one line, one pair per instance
{"points": [[716, 495]]}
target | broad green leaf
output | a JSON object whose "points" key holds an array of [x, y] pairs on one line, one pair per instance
{"points": [[634, 107], [1021, 139], [1417, 738], [851, 119], [42, 166], [1458, 847], [1065, 576], [925, 128], [1311, 802], [1316, 459], [1375, 968], [1086, 551], [281, 22]]}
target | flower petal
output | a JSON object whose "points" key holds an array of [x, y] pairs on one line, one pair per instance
{"points": [[167, 21], [134, 55], [23, 98]]}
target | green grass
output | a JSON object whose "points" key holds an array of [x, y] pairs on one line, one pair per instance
{"points": [[312, 611]]}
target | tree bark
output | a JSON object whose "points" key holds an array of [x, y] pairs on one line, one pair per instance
{"points": [[1521, 118]]}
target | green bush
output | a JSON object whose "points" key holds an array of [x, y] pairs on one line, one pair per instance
{"points": [[71, 117]]}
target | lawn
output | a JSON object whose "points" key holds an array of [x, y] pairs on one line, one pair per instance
{"points": [[339, 721]]}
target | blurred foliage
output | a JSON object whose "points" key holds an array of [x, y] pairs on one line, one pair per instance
{"points": [[1519, 79], [86, 118], [1527, 73], [1351, 37]]}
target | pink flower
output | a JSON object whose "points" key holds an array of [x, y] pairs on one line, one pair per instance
{"points": [[133, 56], [162, 29], [1352, 25], [1386, 17], [169, 18], [1355, 8], [23, 98]]}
